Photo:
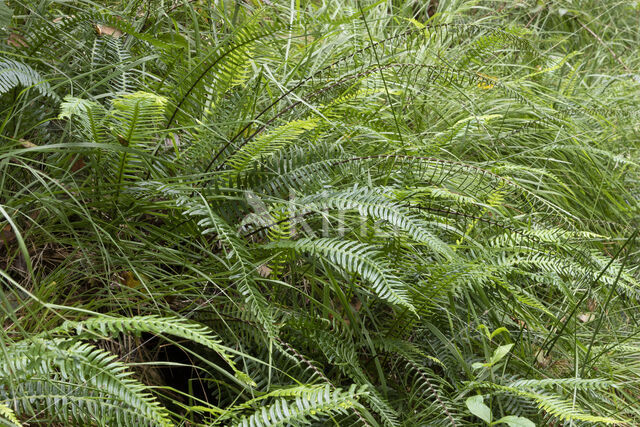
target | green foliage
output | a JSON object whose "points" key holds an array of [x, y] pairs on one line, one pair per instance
{"points": [[65, 379], [356, 258], [389, 213], [307, 406], [14, 74]]}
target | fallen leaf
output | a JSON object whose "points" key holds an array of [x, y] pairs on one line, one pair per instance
{"points": [[586, 317], [16, 40], [264, 271], [123, 141], [7, 234], [78, 164], [520, 323], [27, 144], [104, 30]]}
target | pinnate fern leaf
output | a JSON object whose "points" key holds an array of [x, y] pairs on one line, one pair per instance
{"points": [[111, 326], [90, 115], [307, 406], [7, 413], [242, 267], [373, 203], [554, 405], [14, 73], [357, 258], [6, 14], [59, 376], [267, 144], [137, 115]]}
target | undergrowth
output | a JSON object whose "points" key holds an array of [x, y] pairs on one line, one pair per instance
{"points": [[329, 213]]}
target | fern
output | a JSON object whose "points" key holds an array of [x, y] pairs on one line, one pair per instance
{"points": [[91, 115], [6, 15], [136, 117], [7, 413], [554, 405], [372, 202], [93, 379], [243, 270], [14, 73], [364, 202], [173, 326], [308, 405], [267, 144], [356, 258], [219, 67]]}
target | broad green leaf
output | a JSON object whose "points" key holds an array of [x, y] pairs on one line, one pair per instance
{"points": [[478, 408], [514, 421], [499, 353], [497, 331]]}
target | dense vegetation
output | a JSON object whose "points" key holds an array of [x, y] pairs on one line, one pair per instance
{"points": [[333, 212]]}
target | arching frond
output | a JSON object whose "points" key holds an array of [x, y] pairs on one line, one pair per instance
{"points": [[309, 405], [356, 258], [14, 74]]}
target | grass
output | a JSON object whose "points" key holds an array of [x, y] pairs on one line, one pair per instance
{"points": [[336, 213]]}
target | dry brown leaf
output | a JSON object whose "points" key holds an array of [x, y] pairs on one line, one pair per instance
{"points": [[16, 40], [520, 323], [586, 317], [78, 164], [7, 234], [104, 30], [592, 304], [123, 141], [27, 144], [264, 271]]}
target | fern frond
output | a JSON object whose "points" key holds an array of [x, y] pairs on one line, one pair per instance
{"points": [[373, 203], [554, 405], [220, 67], [135, 119], [14, 73], [96, 375], [110, 53], [7, 413], [267, 144], [91, 115], [179, 327], [243, 269], [136, 116], [307, 406], [6, 15], [569, 383], [356, 258]]}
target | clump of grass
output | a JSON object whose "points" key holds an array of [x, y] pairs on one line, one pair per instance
{"points": [[401, 213]]}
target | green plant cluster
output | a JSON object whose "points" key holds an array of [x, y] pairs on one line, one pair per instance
{"points": [[335, 212]]}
